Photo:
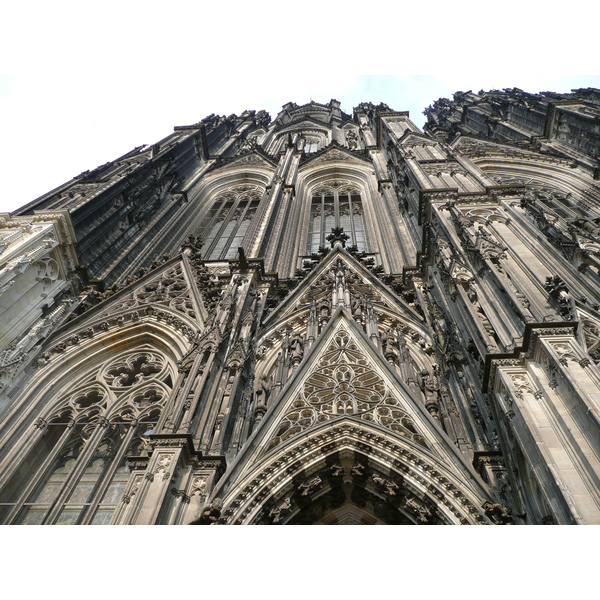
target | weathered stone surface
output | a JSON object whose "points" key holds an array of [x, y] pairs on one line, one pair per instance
{"points": [[321, 318]]}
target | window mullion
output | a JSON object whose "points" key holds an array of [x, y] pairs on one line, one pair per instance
{"points": [[212, 224], [249, 206], [39, 474], [351, 219], [323, 220], [224, 224], [107, 477], [75, 475], [236, 227]]}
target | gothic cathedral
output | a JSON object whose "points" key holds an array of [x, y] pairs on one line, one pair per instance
{"points": [[325, 318]]}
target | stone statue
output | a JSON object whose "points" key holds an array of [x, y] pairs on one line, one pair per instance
{"points": [[500, 515], [263, 389], [210, 513], [296, 347], [351, 139], [428, 385], [386, 340], [324, 308]]}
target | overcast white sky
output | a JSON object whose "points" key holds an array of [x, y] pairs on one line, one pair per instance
{"points": [[85, 83]]}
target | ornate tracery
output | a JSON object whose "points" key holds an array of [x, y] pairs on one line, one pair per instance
{"points": [[76, 471], [336, 203], [345, 384], [227, 222]]}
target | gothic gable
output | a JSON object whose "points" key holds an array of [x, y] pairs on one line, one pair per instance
{"points": [[411, 137], [344, 386], [342, 382], [343, 376], [165, 296], [170, 287], [318, 285], [254, 158], [335, 151]]}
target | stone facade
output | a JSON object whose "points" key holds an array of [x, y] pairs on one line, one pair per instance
{"points": [[323, 318]]}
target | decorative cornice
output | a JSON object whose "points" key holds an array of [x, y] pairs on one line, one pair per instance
{"points": [[530, 335], [175, 440]]}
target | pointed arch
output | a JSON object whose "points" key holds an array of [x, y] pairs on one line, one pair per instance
{"points": [[227, 204], [343, 392], [97, 404], [398, 480]]}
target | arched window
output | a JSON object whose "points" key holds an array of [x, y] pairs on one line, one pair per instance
{"points": [[76, 471], [336, 204], [311, 144], [227, 222]]}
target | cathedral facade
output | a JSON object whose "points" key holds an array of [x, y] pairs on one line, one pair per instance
{"points": [[325, 318]]}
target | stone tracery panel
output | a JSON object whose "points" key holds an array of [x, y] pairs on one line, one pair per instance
{"points": [[170, 289], [133, 369], [77, 465], [344, 383]]}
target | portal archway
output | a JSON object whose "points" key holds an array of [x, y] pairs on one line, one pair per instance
{"points": [[348, 471]]}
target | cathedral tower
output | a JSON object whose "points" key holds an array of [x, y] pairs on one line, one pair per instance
{"points": [[324, 318]]}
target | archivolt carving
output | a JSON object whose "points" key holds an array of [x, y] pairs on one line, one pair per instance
{"points": [[262, 492], [344, 384]]}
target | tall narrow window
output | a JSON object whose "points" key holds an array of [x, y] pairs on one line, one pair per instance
{"points": [[76, 470], [228, 220], [336, 204]]}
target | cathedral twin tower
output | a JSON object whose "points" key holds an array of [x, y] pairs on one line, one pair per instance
{"points": [[321, 319]]}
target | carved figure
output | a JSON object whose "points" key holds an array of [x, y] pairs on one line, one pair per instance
{"points": [[308, 486], [263, 389], [499, 514], [351, 139], [210, 514], [324, 308], [296, 347], [386, 340], [428, 385]]}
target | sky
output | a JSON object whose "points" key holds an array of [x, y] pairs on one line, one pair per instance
{"points": [[54, 127], [83, 83]]}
